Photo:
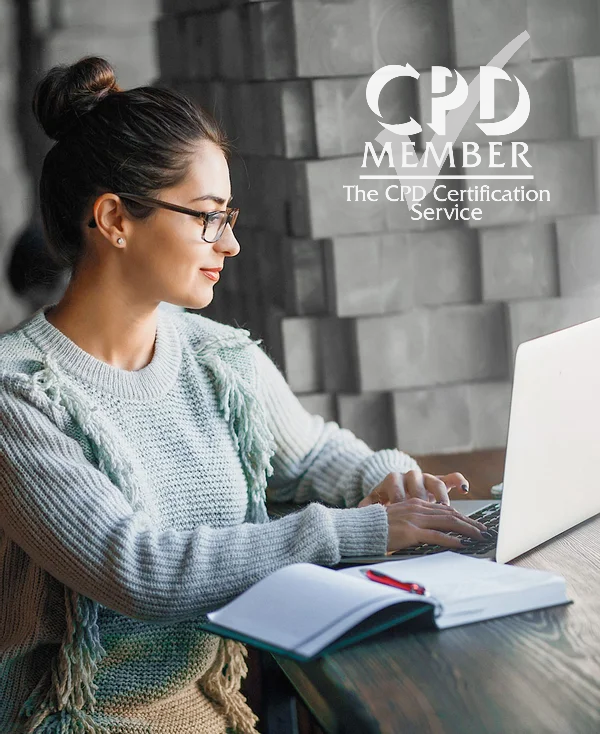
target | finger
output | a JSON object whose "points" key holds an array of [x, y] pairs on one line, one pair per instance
{"points": [[455, 479], [471, 520], [437, 487], [434, 537], [413, 485], [452, 510], [449, 523], [418, 505], [393, 487], [376, 496]]}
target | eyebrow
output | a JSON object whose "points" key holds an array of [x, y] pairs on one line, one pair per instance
{"points": [[212, 197]]}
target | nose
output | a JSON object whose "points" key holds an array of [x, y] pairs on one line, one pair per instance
{"points": [[227, 243]]}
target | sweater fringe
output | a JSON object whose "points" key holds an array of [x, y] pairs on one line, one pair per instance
{"points": [[64, 699], [222, 683], [247, 421], [58, 708]]}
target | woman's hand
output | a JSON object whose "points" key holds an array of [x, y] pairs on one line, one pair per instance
{"points": [[397, 487], [416, 521]]}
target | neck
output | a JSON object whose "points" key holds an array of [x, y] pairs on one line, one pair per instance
{"points": [[106, 322]]}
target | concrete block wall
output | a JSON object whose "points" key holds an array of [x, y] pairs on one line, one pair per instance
{"points": [[13, 179], [63, 30], [121, 31], [403, 331]]}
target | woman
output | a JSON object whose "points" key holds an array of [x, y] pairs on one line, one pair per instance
{"points": [[135, 443]]}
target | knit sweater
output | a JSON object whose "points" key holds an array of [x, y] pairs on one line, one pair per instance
{"points": [[132, 503]]}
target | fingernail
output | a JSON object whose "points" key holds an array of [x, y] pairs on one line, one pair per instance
{"points": [[488, 536], [439, 502], [464, 487], [465, 541]]}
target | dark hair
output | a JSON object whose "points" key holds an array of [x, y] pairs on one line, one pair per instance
{"points": [[108, 139]]}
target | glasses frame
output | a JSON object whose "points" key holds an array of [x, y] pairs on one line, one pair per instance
{"points": [[232, 213]]}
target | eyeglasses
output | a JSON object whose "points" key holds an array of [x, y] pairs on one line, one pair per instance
{"points": [[213, 223]]}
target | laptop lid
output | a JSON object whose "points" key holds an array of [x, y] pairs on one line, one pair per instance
{"points": [[551, 474]]}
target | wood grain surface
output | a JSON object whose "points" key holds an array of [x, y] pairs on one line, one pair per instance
{"points": [[533, 673]]}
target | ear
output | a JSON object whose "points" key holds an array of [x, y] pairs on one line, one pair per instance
{"points": [[109, 215]]}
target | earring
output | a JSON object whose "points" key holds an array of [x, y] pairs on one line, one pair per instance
{"points": [[120, 241]]}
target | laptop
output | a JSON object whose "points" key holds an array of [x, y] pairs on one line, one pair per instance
{"points": [[551, 466]]}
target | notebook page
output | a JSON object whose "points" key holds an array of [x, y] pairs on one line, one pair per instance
{"points": [[458, 581], [521, 600], [299, 601]]}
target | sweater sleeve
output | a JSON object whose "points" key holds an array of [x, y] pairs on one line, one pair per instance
{"points": [[317, 459], [79, 527]]}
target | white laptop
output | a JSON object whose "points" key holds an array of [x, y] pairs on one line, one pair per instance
{"points": [[553, 450]]}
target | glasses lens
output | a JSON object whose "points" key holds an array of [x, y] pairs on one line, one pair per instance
{"points": [[215, 225]]}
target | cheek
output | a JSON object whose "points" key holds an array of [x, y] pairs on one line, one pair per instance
{"points": [[170, 248]]}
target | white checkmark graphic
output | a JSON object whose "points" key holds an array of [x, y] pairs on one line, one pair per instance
{"points": [[429, 166]]}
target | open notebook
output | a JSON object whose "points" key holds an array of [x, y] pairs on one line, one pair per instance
{"points": [[305, 610]]}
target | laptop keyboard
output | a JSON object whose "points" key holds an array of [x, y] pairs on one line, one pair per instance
{"points": [[489, 516]]}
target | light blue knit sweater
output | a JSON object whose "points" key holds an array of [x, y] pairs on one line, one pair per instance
{"points": [[133, 502]]}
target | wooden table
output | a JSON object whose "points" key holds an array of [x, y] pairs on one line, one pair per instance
{"points": [[532, 673]]}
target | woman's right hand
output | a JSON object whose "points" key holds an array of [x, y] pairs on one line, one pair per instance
{"points": [[416, 521]]}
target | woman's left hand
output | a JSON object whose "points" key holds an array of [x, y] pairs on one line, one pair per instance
{"points": [[397, 487]]}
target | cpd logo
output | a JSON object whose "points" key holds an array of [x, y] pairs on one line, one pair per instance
{"points": [[440, 105]]}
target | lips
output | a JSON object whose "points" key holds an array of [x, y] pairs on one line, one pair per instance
{"points": [[212, 274]]}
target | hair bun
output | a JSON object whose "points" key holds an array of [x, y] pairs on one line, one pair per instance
{"points": [[67, 92]]}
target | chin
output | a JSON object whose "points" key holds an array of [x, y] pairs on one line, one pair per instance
{"points": [[201, 301]]}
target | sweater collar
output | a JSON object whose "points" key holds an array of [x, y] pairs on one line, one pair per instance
{"points": [[153, 380]]}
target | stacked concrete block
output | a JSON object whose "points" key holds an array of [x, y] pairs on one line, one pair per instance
{"points": [[113, 13], [560, 29], [586, 91], [322, 404], [397, 271], [368, 416], [431, 346], [270, 26], [404, 329], [519, 262], [563, 169], [128, 49], [304, 276], [452, 418], [566, 169], [320, 207], [272, 333], [338, 355], [342, 119], [122, 32], [557, 29], [579, 255], [405, 31], [330, 38], [537, 317], [482, 29], [301, 347], [280, 114]]}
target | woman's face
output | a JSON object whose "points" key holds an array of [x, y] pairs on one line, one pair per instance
{"points": [[165, 254]]}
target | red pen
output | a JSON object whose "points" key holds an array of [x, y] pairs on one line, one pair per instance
{"points": [[381, 578]]}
